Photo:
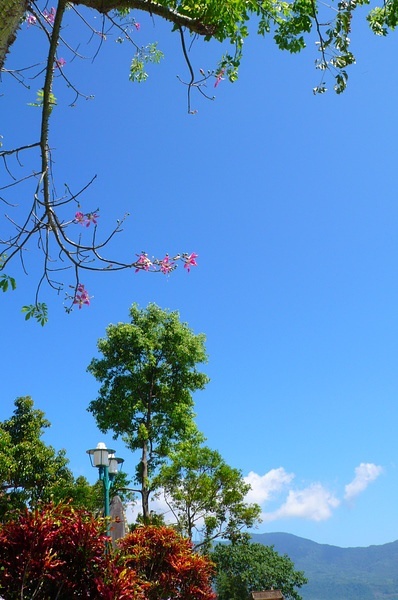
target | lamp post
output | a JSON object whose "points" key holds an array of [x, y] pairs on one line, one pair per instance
{"points": [[107, 463]]}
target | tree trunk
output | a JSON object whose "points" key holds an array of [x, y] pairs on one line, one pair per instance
{"points": [[11, 16], [144, 483]]}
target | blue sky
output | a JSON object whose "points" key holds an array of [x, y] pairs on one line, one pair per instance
{"points": [[290, 202]]}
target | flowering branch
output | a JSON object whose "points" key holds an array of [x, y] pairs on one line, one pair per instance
{"points": [[62, 248]]}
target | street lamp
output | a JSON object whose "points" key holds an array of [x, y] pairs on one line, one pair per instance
{"points": [[107, 463]]}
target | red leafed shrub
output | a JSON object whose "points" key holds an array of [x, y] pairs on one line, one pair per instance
{"points": [[58, 552], [166, 565]]}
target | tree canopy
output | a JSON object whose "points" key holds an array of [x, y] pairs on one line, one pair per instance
{"points": [[29, 469], [205, 495], [244, 567], [148, 373]]}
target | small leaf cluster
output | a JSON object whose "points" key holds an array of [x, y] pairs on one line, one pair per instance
{"points": [[40, 100], [37, 311], [143, 56], [7, 282]]}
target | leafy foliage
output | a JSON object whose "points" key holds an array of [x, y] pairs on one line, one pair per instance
{"points": [[7, 282], [244, 567], [148, 374], [166, 565], [59, 552], [148, 54], [205, 495], [37, 311], [32, 468]]}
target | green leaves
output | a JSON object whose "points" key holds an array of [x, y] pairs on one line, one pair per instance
{"points": [[37, 311], [7, 282], [244, 567], [33, 468], [382, 18], [40, 100], [199, 487], [145, 55]]}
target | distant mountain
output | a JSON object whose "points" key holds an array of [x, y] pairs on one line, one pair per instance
{"points": [[340, 573]]}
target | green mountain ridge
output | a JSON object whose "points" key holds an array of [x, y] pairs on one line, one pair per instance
{"points": [[336, 573]]}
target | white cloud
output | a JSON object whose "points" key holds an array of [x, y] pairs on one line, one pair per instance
{"points": [[364, 475], [315, 503], [263, 487]]}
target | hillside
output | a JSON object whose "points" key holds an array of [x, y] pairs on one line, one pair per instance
{"points": [[340, 573]]}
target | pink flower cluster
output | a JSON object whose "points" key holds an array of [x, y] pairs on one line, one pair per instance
{"points": [[190, 261], [49, 17], [86, 219], [166, 264], [81, 297], [143, 263], [31, 20], [60, 62]]}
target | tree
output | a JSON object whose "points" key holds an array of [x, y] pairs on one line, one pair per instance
{"points": [[148, 374], [244, 567], [205, 495], [32, 469], [166, 565], [48, 219]]}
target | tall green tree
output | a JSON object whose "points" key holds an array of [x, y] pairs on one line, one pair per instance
{"points": [[244, 567], [148, 373], [205, 495], [31, 468]]}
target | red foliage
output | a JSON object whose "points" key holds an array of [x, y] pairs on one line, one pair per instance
{"points": [[166, 565], [59, 552]]}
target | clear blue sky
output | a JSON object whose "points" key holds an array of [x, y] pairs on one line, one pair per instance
{"points": [[290, 202]]}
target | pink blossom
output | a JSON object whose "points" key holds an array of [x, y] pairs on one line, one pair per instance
{"points": [[81, 297], [166, 265], [219, 77], [144, 262], [86, 219], [60, 62], [79, 218], [137, 26], [190, 261], [31, 20], [50, 16], [91, 218]]}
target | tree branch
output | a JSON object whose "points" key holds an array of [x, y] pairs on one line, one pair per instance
{"points": [[194, 25]]}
